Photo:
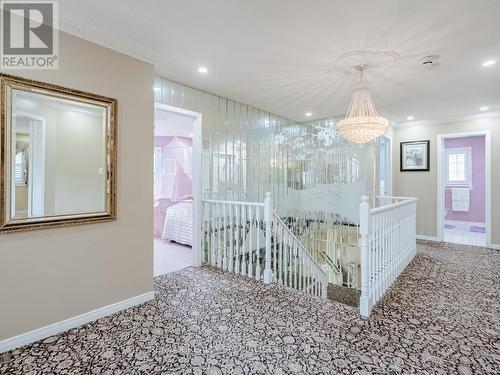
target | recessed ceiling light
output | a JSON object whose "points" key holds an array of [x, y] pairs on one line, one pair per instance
{"points": [[484, 108], [309, 114], [202, 70], [489, 63], [410, 118]]}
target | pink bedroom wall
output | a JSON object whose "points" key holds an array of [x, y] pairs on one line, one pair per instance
{"points": [[477, 209]]}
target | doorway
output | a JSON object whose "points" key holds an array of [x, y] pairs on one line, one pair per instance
{"points": [[28, 164], [464, 195], [385, 167], [177, 189]]}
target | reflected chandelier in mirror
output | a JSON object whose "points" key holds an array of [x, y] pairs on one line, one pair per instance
{"points": [[58, 158]]}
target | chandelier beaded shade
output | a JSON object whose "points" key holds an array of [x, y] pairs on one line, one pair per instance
{"points": [[362, 122]]}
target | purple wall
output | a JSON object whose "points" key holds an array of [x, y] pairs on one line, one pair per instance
{"points": [[162, 141], [477, 209]]}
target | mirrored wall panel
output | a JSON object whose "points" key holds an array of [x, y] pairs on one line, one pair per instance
{"points": [[58, 163], [247, 152]]}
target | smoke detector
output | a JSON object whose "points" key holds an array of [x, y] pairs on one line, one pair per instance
{"points": [[430, 62]]}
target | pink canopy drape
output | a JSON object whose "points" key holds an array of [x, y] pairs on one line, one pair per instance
{"points": [[173, 177]]}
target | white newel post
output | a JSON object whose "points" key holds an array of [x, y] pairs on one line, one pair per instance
{"points": [[324, 286], [364, 229], [268, 219]]}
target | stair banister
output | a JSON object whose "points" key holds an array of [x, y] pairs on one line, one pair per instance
{"points": [[388, 244], [364, 225], [240, 237], [268, 219]]}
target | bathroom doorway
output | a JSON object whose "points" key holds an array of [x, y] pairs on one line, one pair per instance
{"points": [[464, 197]]}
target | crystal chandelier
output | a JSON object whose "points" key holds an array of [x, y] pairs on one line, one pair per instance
{"points": [[362, 122]]}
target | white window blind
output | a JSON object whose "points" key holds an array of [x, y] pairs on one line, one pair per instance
{"points": [[157, 171], [19, 169]]}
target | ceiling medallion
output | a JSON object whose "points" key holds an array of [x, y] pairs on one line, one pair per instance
{"points": [[362, 123], [345, 63]]}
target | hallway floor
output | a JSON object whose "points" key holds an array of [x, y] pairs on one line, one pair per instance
{"points": [[441, 317], [465, 233], [171, 257]]}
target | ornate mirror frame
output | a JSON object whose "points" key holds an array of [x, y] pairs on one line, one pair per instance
{"points": [[9, 83]]}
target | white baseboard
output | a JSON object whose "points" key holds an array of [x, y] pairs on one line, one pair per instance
{"points": [[494, 246], [427, 238], [53, 329]]}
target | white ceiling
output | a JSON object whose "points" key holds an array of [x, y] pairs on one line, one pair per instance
{"points": [[173, 124], [29, 102], [276, 54]]}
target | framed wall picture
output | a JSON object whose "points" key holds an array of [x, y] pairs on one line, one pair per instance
{"points": [[415, 156]]}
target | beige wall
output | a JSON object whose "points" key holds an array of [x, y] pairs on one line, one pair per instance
{"points": [[50, 275], [74, 152], [423, 185], [80, 152], [21, 199]]}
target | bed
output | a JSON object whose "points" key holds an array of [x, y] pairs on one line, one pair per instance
{"points": [[178, 224]]}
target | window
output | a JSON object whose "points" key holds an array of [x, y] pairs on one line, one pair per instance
{"points": [[188, 160], [157, 171], [157, 160], [459, 166], [169, 167], [20, 175]]}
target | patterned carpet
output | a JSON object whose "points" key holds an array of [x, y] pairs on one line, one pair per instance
{"points": [[441, 317], [343, 294]]}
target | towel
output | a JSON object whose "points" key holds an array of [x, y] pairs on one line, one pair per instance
{"points": [[460, 199]]}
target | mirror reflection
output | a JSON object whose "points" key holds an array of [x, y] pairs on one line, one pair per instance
{"points": [[59, 162]]}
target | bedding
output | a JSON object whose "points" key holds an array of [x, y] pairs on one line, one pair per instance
{"points": [[178, 224], [160, 211]]}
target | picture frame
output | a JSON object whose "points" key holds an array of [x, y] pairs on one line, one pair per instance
{"points": [[414, 156]]}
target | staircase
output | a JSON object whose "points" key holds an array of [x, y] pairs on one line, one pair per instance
{"points": [[333, 241], [250, 239], [293, 265]]}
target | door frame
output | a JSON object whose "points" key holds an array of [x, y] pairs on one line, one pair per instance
{"points": [[36, 185], [196, 167], [388, 164], [440, 178]]}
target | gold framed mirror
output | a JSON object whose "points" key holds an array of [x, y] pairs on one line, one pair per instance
{"points": [[58, 156]]}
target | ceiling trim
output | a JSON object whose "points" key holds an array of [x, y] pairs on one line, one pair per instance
{"points": [[84, 31], [448, 120]]}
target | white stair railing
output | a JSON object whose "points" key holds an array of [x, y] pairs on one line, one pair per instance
{"points": [[249, 238], [388, 244], [236, 236], [293, 265]]}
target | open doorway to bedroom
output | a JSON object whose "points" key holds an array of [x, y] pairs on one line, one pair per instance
{"points": [[177, 153]]}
